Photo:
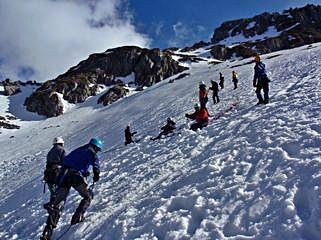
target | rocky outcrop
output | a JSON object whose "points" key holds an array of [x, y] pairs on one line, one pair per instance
{"points": [[113, 94], [81, 81], [45, 102], [267, 32], [5, 123], [10, 88]]}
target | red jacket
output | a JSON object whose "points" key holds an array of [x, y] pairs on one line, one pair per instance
{"points": [[199, 116]]}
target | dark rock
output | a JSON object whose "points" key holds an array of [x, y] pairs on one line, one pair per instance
{"points": [[4, 124], [182, 75], [296, 27], [80, 82], [44, 102], [10, 88], [196, 46], [113, 94]]}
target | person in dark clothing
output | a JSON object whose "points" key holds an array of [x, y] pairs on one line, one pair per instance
{"points": [[168, 128], [55, 158], [203, 94], [221, 80], [200, 116], [129, 135], [215, 90], [235, 79], [261, 81], [73, 174]]}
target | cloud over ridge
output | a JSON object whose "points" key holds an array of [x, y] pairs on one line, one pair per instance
{"points": [[43, 38]]}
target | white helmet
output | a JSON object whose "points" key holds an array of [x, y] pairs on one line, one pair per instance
{"points": [[202, 83], [58, 140], [197, 105]]}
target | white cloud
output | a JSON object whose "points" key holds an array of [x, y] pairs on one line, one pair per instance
{"points": [[186, 34], [50, 36]]}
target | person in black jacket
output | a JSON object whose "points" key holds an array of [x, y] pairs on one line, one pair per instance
{"points": [[168, 128], [55, 158], [129, 135], [261, 81], [215, 90], [221, 80]]}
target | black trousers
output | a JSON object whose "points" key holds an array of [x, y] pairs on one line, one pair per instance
{"points": [[235, 84], [265, 86], [198, 125], [71, 179], [216, 99]]}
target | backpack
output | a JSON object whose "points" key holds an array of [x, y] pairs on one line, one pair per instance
{"points": [[51, 174]]}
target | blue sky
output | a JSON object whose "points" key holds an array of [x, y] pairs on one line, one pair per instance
{"points": [[179, 23], [41, 39]]}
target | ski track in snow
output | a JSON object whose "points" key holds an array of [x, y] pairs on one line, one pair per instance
{"points": [[253, 173]]}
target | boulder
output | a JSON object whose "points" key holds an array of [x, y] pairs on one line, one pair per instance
{"points": [[46, 103], [10, 88], [113, 94]]}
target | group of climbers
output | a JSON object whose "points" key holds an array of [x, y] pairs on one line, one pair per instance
{"points": [[65, 171]]}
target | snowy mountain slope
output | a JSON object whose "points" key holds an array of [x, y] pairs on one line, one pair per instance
{"points": [[253, 173]]}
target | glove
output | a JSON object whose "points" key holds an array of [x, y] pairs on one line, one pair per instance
{"points": [[86, 174], [96, 177], [254, 84], [186, 115]]}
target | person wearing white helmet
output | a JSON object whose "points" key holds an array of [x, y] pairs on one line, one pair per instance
{"points": [[55, 158]]}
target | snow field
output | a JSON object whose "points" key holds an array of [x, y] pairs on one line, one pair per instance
{"points": [[253, 173]]}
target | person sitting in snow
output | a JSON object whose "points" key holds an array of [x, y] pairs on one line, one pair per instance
{"points": [[168, 128], [55, 158], [129, 135], [221, 80], [203, 94], [261, 81], [73, 174], [215, 90], [200, 116], [235, 79]]}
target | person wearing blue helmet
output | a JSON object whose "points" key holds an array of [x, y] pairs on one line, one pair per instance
{"points": [[73, 174]]}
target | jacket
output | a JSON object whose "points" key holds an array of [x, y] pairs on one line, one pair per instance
{"points": [[199, 116], [170, 126], [55, 156], [81, 159]]}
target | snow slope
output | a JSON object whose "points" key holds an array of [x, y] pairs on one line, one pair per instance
{"points": [[253, 173]]}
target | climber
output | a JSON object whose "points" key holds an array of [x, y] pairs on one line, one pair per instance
{"points": [[261, 81], [55, 158], [215, 90], [168, 128], [200, 116]]}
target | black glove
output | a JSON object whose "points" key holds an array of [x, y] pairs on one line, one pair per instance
{"points": [[254, 84], [186, 115], [86, 174], [96, 177]]}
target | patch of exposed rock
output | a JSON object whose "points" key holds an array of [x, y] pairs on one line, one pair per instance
{"points": [[113, 94], [294, 27], [149, 66]]}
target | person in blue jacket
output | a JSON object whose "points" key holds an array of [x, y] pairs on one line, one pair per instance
{"points": [[73, 174], [261, 81]]}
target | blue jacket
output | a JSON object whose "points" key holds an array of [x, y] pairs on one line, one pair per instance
{"points": [[81, 159], [259, 71]]}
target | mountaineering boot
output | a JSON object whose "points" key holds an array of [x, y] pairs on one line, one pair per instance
{"points": [[77, 218], [47, 232]]}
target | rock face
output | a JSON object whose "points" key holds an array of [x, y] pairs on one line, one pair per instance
{"points": [[81, 81], [266, 33], [10, 88], [44, 103], [113, 94]]}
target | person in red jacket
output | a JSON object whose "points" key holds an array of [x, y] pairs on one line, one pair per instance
{"points": [[200, 116]]}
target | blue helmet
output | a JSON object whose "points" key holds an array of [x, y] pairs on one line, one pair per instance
{"points": [[97, 142]]}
